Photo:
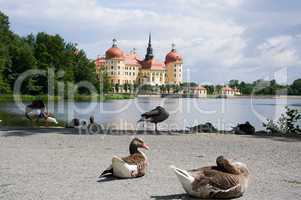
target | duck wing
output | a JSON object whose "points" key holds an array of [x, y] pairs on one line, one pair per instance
{"points": [[222, 180], [152, 113], [139, 160], [224, 185], [214, 177]]}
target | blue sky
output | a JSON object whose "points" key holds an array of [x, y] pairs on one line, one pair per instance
{"points": [[219, 39]]}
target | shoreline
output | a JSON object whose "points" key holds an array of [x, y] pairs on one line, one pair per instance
{"points": [[123, 132]]}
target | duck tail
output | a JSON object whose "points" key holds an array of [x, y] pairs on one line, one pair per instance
{"points": [[184, 177], [108, 171]]}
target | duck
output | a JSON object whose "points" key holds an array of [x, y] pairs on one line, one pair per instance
{"points": [[228, 179], [38, 110], [93, 127], [132, 166], [157, 115]]}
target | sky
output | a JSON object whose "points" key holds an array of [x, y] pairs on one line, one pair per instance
{"points": [[219, 40]]}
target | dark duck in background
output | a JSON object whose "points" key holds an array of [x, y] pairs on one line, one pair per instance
{"points": [[157, 115]]}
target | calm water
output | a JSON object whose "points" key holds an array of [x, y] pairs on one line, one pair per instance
{"points": [[123, 114]]}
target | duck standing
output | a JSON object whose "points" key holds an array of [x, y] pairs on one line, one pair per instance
{"points": [[132, 166], [157, 115], [223, 181]]}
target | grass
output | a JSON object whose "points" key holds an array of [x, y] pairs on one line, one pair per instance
{"points": [[10, 97], [13, 120]]}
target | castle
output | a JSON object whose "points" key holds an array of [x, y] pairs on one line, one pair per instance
{"points": [[128, 68]]}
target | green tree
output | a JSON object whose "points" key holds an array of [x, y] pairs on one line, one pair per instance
{"points": [[295, 88]]}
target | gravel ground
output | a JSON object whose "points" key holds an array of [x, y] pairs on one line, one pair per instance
{"points": [[60, 166]]}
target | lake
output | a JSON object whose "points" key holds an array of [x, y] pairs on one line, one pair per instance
{"points": [[184, 112]]}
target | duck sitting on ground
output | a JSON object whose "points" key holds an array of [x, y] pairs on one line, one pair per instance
{"points": [[93, 127], [38, 110], [133, 166], [224, 181]]}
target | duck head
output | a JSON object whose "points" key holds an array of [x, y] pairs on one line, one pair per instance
{"points": [[137, 143], [229, 166]]}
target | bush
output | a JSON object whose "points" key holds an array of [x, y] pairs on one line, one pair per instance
{"points": [[286, 124]]}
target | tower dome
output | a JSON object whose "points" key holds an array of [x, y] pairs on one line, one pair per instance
{"points": [[172, 56], [114, 51]]}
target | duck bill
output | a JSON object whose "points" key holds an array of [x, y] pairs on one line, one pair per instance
{"points": [[145, 146]]}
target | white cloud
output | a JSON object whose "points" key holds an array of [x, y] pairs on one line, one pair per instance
{"points": [[212, 35], [279, 52]]}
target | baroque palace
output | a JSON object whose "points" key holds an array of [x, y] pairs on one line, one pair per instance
{"points": [[128, 68]]}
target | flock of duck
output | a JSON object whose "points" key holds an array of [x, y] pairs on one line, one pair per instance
{"points": [[226, 179]]}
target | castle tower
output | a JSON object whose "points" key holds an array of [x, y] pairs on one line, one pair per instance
{"points": [[173, 62], [149, 52]]}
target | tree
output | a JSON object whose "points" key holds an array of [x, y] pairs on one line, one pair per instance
{"points": [[295, 88], [105, 83], [210, 89], [6, 37], [234, 83]]}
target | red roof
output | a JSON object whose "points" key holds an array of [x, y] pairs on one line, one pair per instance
{"points": [[152, 64], [131, 59], [172, 56], [199, 87], [227, 88], [99, 62], [114, 52]]}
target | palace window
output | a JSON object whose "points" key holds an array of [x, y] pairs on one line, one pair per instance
{"points": [[112, 67]]}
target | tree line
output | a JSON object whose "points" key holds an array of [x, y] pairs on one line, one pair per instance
{"points": [[259, 87], [40, 52]]}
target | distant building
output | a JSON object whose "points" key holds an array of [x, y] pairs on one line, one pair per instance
{"points": [[196, 91], [228, 91], [123, 68]]}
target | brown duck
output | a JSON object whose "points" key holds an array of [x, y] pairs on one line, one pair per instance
{"points": [[225, 180], [132, 166]]}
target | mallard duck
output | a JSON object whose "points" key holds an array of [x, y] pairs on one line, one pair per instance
{"points": [[132, 166], [157, 115], [225, 180]]}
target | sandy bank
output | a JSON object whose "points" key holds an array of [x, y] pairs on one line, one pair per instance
{"points": [[65, 166]]}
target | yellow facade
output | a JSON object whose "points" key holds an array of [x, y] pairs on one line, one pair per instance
{"points": [[174, 73], [121, 73]]}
